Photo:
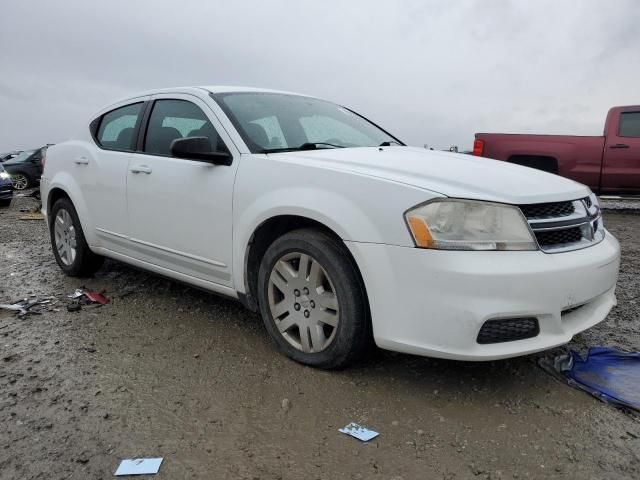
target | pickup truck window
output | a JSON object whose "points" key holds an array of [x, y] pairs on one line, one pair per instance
{"points": [[173, 119], [118, 126], [302, 123], [629, 124]]}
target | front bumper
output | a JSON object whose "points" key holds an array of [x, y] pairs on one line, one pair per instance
{"points": [[6, 190], [433, 303]]}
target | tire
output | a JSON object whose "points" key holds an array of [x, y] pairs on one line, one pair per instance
{"points": [[71, 251], [21, 181], [319, 318], [5, 202]]}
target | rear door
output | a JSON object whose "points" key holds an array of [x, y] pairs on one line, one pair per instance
{"points": [[621, 168], [180, 209], [102, 172]]}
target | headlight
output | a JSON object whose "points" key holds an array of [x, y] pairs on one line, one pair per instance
{"points": [[450, 224], [4, 176]]}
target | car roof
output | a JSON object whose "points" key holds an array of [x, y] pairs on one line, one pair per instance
{"points": [[209, 88]]}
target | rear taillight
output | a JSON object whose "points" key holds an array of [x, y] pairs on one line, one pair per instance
{"points": [[478, 147]]}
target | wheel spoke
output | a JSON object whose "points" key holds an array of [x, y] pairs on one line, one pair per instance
{"points": [[280, 308], [315, 275], [317, 338], [328, 300], [328, 318], [303, 266], [286, 270], [304, 338], [278, 282], [286, 323]]}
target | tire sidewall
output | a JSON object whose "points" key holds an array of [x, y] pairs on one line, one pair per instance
{"points": [[82, 249]]}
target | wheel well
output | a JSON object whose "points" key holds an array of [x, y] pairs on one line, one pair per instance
{"points": [[539, 162], [54, 195], [264, 236]]}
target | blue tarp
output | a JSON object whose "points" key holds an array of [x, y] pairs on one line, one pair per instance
{"points": [[606, 373]]}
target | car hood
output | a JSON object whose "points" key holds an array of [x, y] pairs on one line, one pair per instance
{"points": [[451, 174]]}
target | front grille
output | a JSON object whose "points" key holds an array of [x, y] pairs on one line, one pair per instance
{"points": [[562, 226], [548, 210], [559, 237], [508, 330]]}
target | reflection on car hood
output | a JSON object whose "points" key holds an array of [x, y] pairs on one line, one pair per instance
{"points": [[451, 174]]}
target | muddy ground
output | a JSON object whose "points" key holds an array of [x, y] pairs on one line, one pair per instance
{"points": [[166, 370]]}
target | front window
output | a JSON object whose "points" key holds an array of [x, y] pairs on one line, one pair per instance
{"points": [[275, 122]]}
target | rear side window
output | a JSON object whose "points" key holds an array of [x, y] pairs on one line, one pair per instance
{"points": [[174, 119], [117, 128], [629, 124]]}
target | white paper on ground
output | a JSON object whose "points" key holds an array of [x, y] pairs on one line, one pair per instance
{"points": [[138, 466], [359, 432]]}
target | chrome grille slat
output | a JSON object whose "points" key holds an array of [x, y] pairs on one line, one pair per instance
{"points": [[564, 226]]}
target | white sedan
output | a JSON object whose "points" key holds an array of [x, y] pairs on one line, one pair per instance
{"points": [[330, 227]]}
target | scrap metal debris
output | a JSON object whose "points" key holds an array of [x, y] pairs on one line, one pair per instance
{"points": [[88, 296], [608, 374], [139, 466], [22, 307], [359, 432]]}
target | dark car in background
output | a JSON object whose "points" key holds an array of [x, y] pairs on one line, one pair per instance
{"points": [[9, 155], [26, 168], [6, 188]]}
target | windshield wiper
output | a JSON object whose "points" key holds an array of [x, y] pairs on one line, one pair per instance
{"points": [[388, 143], [304, 146]]}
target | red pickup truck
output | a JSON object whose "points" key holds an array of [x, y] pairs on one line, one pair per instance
{"points": [[607, 164]]}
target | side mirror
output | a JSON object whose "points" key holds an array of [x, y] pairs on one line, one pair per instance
{"points": [[199, 148]]}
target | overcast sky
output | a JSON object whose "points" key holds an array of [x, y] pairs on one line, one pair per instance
{"points": [[430, 72]]}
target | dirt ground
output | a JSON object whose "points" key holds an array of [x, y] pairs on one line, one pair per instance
{"points": [[166, 370]]}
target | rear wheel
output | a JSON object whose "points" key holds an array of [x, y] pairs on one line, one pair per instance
{"points": [[20, 180], [312, 300], [69, 245]]}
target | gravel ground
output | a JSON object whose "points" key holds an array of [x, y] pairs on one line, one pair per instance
{"points": [[166, 370]]}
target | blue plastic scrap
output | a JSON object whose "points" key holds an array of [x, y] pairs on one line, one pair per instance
{"points": [[608, 374]]}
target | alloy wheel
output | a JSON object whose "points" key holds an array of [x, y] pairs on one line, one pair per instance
{"points": [[65, 237], [303, 302], [20, 181]]}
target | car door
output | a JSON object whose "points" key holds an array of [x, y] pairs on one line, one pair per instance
{"points": [[180, 209], [621, 169], [101, 172]]}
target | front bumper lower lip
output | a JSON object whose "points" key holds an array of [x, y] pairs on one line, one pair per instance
{"points": [[433, 303]]}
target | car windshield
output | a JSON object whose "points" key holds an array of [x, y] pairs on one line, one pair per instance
{"points": [[20, 158], [275, 122]]}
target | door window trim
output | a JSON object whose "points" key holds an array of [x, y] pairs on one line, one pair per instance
{"points": [[144, 128], [94, 127]]}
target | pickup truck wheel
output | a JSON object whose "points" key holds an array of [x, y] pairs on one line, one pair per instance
{"points": [[70, 248], [20, 180], [312, 301]]}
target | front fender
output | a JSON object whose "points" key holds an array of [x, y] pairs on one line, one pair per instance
{"points": [[357, 208]]}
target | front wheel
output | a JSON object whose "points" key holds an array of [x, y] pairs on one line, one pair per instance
{"points": [[312, 300], [70, 248]]}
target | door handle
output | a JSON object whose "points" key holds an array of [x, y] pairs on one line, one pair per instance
{"points": [[619, 145], [140, 169], [81, 161]]}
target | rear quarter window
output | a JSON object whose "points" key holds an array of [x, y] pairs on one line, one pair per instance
{"points": [[117, 128]]}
